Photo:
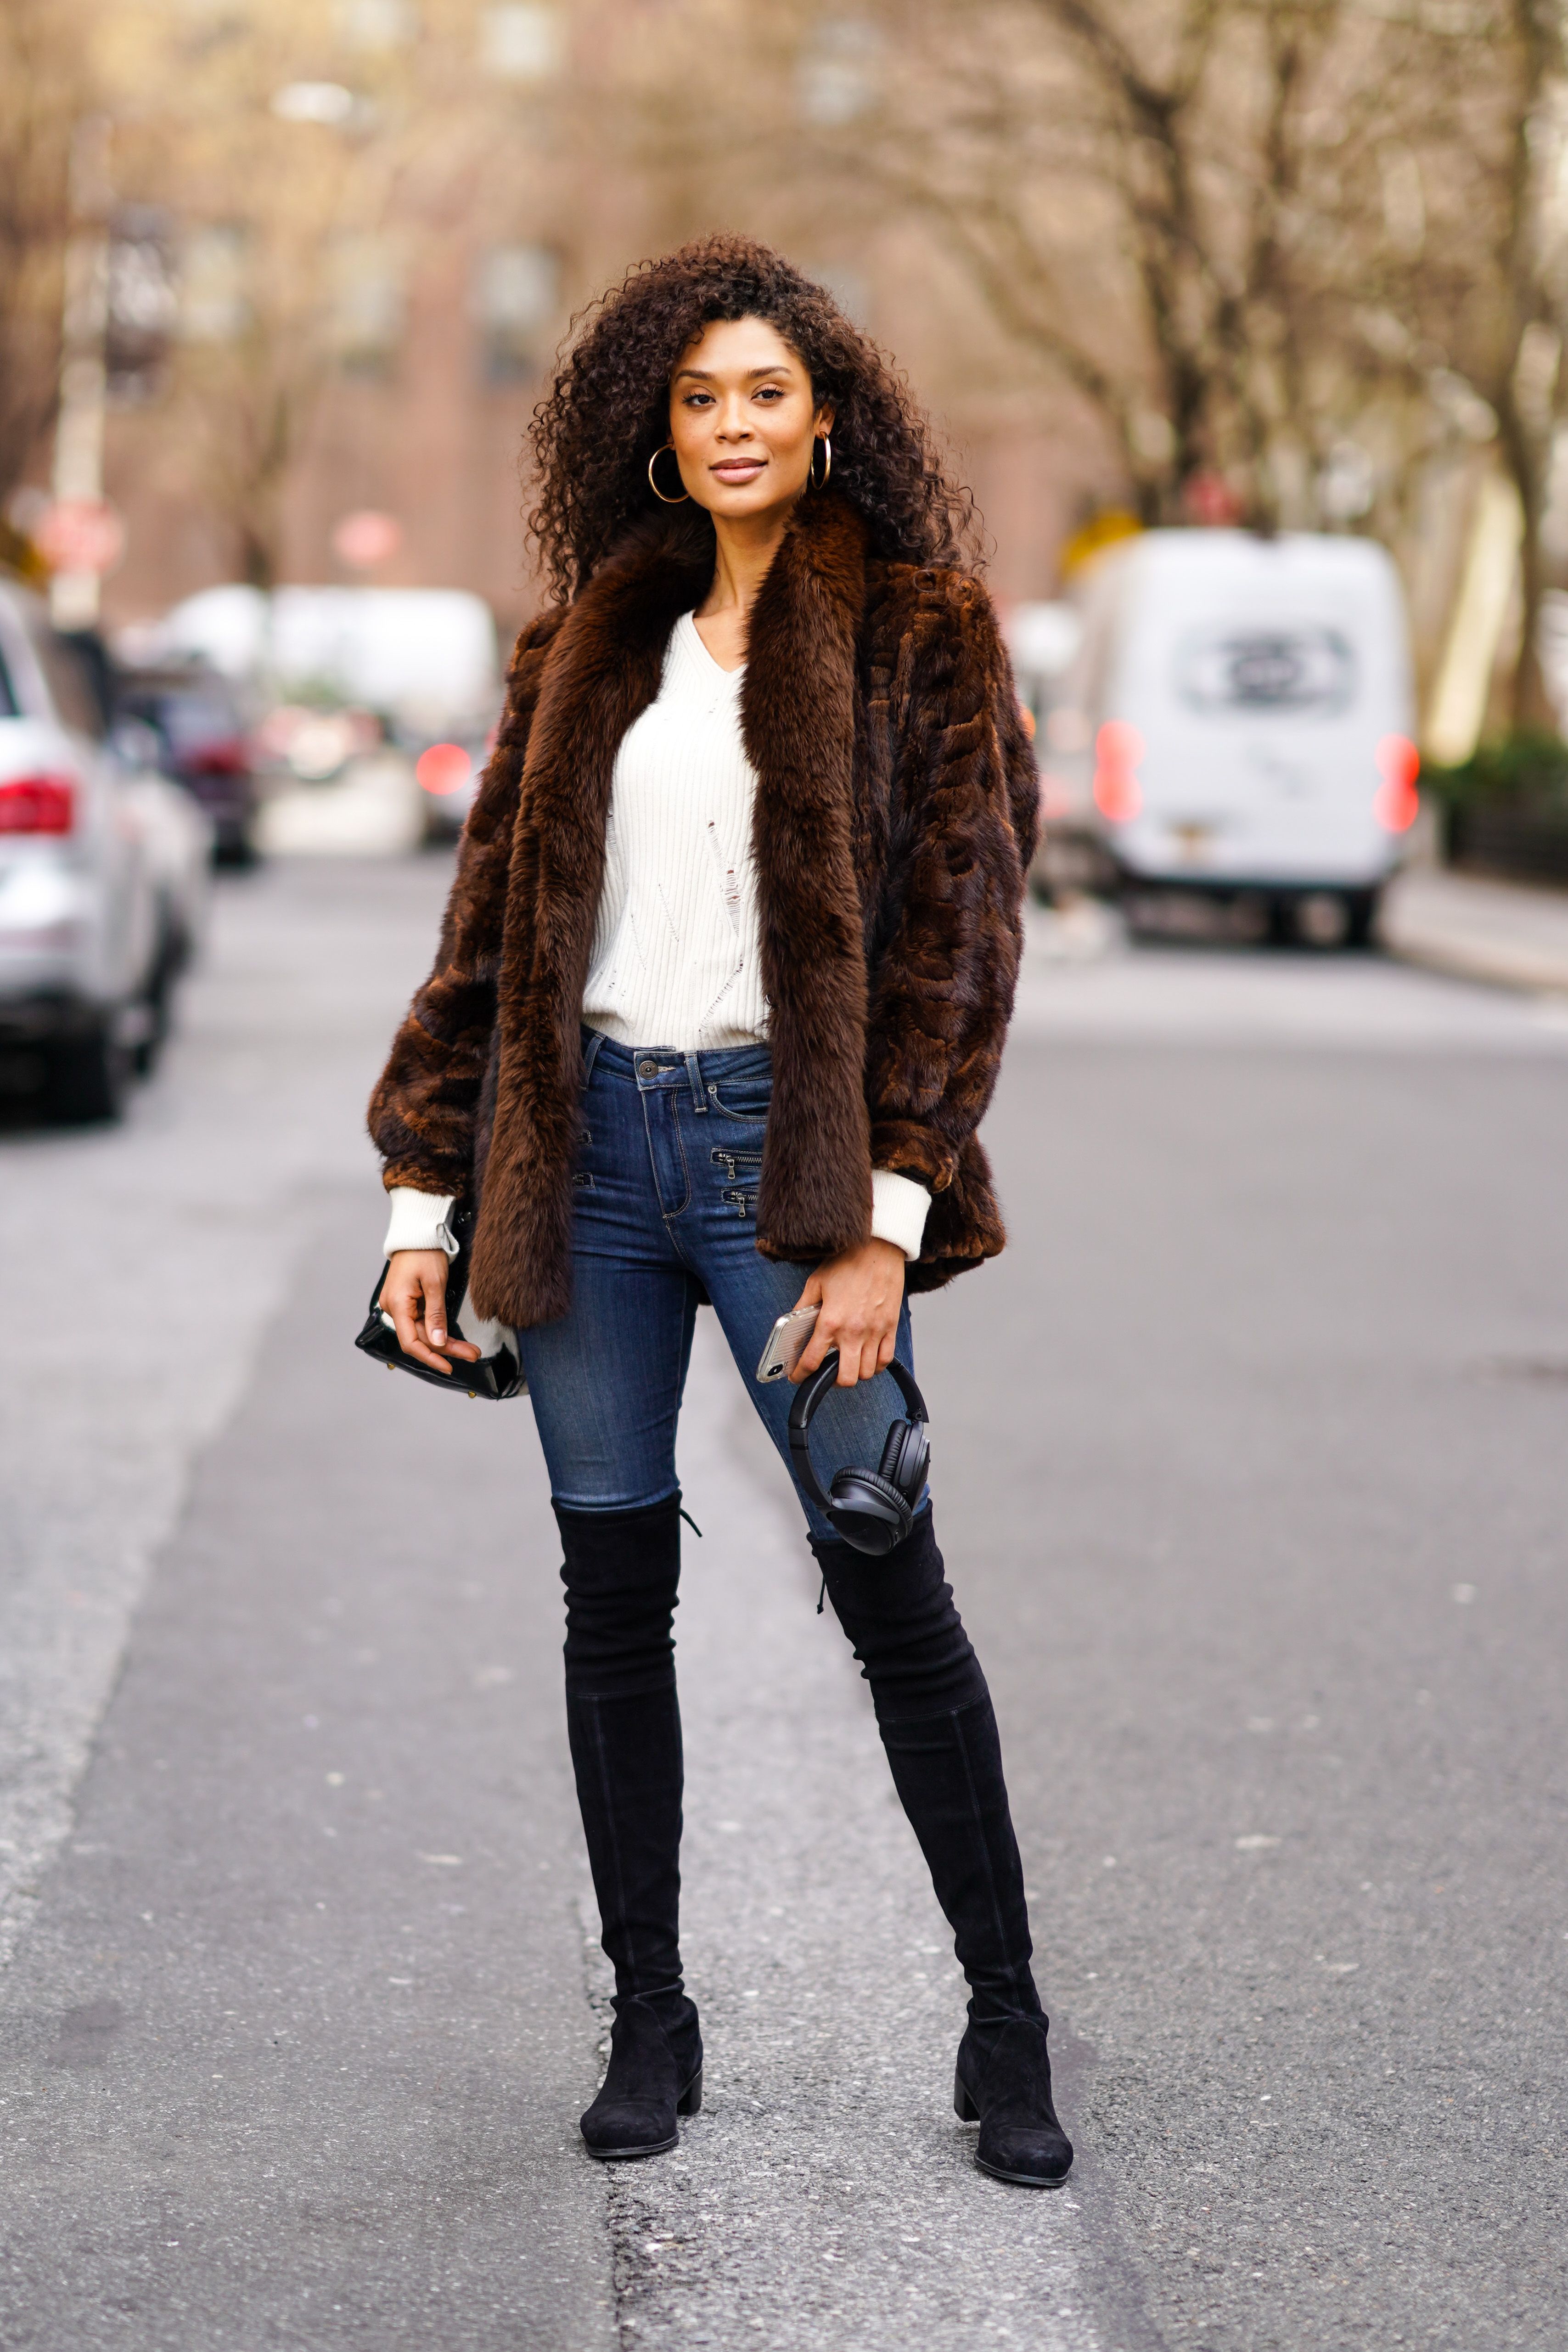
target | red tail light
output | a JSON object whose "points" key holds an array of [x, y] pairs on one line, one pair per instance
{"points": [[444, 768], [227, 757], [38, 804], [1397, 803], [1118, 748]]}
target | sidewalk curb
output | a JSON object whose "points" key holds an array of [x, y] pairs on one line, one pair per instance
{"points": [[1517, 969], [1481, 928]]}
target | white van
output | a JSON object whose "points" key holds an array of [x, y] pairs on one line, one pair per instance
{"points": [[1239, 721], [425, 656]]}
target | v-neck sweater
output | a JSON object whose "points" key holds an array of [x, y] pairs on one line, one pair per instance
{"points": [[676, 959]]}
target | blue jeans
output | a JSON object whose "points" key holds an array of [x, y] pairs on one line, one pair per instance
{"points": [[664, 1206]]}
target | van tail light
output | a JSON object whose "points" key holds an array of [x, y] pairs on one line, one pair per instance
{"points": [[1397, 803], [38, 804], [1118, 748]]}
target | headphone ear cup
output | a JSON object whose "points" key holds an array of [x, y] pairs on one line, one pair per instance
{"points": [[869, 1511], [892, 1451], [904, 1455]]}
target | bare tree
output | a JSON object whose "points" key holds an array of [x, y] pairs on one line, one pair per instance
{"points": [[268, 163], [43, 90], [1184, 206], [1288, 253], [315, 170], [1521, 302]]}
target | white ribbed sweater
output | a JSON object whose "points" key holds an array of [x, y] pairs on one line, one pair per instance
{"points": [[675, 961]]}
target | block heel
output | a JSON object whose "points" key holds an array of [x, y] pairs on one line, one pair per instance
{"points": [[1006, 2090], [642, 2094]]}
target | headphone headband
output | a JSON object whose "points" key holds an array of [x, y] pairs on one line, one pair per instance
{"points": [[809, 1395]]}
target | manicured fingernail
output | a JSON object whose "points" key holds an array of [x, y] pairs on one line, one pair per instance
{"points": [[437, 1336]]}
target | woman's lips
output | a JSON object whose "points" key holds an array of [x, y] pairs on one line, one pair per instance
{"points": [[738, 469]]}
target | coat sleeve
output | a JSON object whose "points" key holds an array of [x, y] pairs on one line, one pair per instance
{"points": [[962, 825], [424, 1111]]}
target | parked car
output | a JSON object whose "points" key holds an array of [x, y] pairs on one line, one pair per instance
{"points": [[1237, 723], [103, 866], [448, 776], [417, 666], [202, 742]]}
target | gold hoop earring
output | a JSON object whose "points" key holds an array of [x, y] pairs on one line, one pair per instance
{"points": [[681, 496], [826, 440]]}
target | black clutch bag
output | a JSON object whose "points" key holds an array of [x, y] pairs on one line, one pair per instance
{"points": [[499, 1373]]}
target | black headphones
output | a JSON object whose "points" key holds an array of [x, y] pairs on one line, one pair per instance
{"points": [[873, 1509]]}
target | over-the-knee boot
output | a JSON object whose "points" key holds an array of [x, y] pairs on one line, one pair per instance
{"points": [[939, 1730], [623, 1723]]}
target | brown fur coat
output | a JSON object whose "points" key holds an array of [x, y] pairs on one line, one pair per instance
{"points": [[894, 819]]}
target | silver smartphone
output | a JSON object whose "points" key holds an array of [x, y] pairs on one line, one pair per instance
{"points": [[787, 1343]]}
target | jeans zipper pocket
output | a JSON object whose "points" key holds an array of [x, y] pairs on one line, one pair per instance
{"points": [[734, 1162]]}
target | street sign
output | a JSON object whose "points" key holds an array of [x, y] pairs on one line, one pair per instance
{"points": [[81, 535]]}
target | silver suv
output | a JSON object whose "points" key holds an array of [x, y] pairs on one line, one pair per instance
{"points": [[102, 877]]}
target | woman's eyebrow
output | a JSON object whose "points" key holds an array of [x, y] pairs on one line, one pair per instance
{"points": [[703, 376]]}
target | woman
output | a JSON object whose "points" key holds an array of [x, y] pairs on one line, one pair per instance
{"points": [[718, 1004]]}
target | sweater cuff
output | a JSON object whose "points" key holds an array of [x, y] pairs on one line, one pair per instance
{"points": [[898, 1209], [418, 1221]]}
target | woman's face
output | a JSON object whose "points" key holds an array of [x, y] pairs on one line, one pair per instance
{"points": [[742, 420]]}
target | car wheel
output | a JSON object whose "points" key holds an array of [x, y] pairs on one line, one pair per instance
{"points": [[1282, 931], [1361, 917], [87, 1077], [158, 1004], [234, 847]]}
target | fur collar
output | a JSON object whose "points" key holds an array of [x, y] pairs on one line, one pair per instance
{"points": [[798, 713]]}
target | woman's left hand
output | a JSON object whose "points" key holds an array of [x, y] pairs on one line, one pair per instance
{"points": [[860, 1293]]}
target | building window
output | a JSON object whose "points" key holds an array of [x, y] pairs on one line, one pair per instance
{"points": [[521, 42], [516, 296], [143, 301], [366, 284], [839, 72], [212, 304], [375, 24]]}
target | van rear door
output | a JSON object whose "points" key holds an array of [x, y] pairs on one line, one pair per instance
{"points": [[1258, 678]]}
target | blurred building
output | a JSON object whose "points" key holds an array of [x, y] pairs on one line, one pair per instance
{"points": [[359, 265]]}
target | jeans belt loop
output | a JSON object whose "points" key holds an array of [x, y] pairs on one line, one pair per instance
{"points": [[694, 1078], [591, 1055]]}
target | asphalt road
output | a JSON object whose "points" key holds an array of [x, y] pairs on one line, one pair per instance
{"points": [[1250, 1467]]}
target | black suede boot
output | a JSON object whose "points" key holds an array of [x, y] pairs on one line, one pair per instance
{"points": [[655, 2073], [940, 1731], [623, 1725], [1008, 2092]]}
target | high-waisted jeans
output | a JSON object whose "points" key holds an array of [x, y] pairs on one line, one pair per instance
{"points": [[665, 1210]]}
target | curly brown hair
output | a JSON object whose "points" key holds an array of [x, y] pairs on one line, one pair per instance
{"points": [[608, 410]]}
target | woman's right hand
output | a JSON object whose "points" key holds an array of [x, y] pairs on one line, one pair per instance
{"points": [[415, 1295]]}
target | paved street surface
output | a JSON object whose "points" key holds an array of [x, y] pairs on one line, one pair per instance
{"points": [[1250, 1468]]}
